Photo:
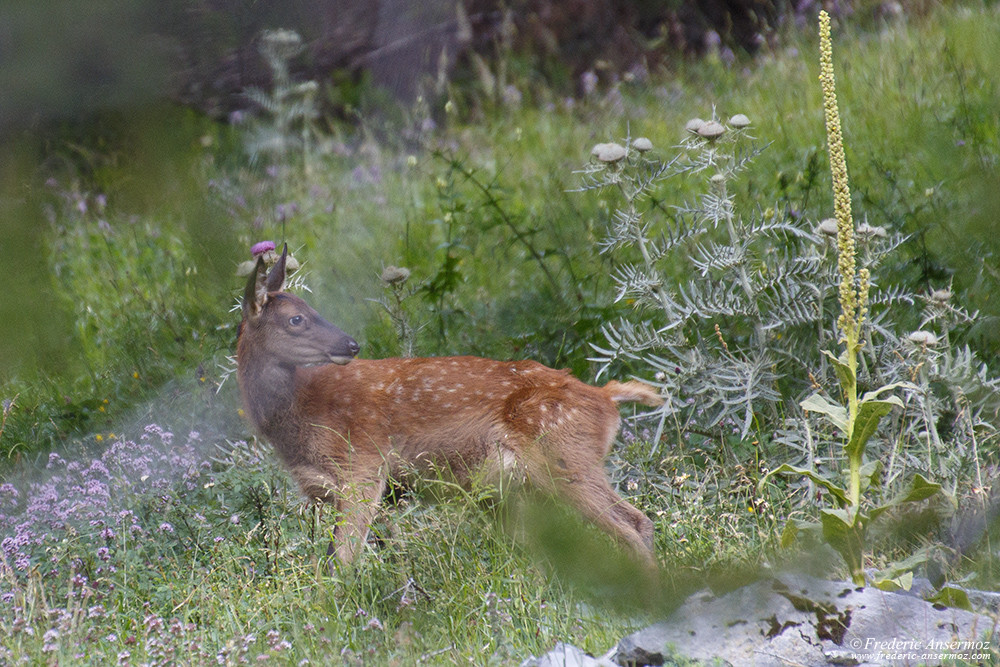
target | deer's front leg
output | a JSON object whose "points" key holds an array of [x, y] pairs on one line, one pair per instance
{"points": [[357, 502]]}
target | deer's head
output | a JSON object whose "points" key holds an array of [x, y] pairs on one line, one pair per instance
{"points": [[283, 328]]}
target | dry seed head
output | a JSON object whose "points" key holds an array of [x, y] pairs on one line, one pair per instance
{"points": [[694, 125], [923, 338], [864, 229], [395, 275], [711, 130], [941, 295], [828, 227], [642, 144], [610, 152], [739, 121]]}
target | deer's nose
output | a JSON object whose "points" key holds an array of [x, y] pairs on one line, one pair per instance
{"points": [[354, 347]]}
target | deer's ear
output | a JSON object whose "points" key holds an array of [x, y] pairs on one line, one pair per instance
{"points": [[276, 279], [254, 295]]}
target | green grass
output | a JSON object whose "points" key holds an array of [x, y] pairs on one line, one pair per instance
{"points": [[504, 262]]}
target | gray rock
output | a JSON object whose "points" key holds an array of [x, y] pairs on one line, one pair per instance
{"points": [[567, 655], [799, 620]]}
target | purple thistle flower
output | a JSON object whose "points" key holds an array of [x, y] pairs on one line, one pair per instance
{"points": [[261, 248]]}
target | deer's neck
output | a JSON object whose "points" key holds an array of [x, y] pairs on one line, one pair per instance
{"points": [[268, 392]]}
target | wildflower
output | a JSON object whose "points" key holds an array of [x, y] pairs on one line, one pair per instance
{"points": [[853, 295], [395, 275], [261, 248], [166, 528]]}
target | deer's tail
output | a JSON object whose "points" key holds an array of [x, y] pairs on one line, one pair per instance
{"points": [[633, 391]]}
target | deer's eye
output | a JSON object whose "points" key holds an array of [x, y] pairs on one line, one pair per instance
{"points": [[296, 320]]}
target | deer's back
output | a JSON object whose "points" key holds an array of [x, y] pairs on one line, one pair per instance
{"points": [[451, 411]]}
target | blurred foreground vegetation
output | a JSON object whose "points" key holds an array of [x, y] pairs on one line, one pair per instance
{"points": [[122, 234]]}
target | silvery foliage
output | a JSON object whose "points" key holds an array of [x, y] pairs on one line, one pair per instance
{"points": [[728, 308], [290, 109]]}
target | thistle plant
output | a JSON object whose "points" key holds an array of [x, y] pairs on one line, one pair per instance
{"points": [[718, 343], [290, 107], [394, 280], [844, 527]]}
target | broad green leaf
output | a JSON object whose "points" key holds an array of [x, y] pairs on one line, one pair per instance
{"points": [[796, 527], [952, 597], [837, 414], [871, 395], [831, 488], [895, 571], [868, 472], [870, 413], [845, 531], [901, 583], [848, 381], [918, 489]]}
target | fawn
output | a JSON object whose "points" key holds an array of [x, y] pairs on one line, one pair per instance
{"points": [[344, 426]]}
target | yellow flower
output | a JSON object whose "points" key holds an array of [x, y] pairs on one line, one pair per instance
{"points": [[853, 286], [99, 437], [135, 374]]}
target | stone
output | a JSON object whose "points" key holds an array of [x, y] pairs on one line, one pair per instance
{"points": [[794, 619]]}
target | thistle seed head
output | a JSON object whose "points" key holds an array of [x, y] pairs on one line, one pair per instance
{"points": [[694, 125], [828, 227], [711, 130], [941, 295], [739, 121], [395, 275], [868, 231], [642, 144], [923, 338], [610, 152]]}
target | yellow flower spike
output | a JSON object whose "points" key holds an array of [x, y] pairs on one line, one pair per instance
{"points": [[853, 292]]}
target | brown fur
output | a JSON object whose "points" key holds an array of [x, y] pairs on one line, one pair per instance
{"points": [[343, 429]]}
